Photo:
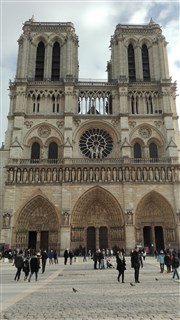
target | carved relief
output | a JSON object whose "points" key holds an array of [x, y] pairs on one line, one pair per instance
{"points": [[170, 235], [138, 235], [28, 124], [77, 234], [65, 215], [117, 234], [6, 220], [60, 124], [44, 131], [145, 132], [129, 217]]}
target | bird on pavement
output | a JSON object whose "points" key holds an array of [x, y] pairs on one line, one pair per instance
{"points": [[74, 290], [156, 279], [133, 285]]}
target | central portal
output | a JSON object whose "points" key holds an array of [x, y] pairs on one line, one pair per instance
{"points": [[97, 238]]}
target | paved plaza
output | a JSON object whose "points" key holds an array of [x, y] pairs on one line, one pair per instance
{"points": [[99, 295]]}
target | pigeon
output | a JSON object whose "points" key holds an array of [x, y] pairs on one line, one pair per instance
{"points": [[74, 290], [156, 279], [132, 284]]}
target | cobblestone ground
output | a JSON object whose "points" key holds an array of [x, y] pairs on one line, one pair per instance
{"points": [[99, 295]]}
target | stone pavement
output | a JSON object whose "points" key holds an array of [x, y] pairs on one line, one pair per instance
{"points": [[99, 295]]}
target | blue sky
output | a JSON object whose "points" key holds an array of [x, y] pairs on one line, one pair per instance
{"points": [[94, 22]]}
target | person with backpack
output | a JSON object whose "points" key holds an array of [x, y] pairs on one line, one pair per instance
{"points": [[175, 266], [34, 266], [26, 266]]}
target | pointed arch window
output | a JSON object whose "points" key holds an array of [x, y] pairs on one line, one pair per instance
{"points": [[39, 73], [131, 63], [134, 105], [35, 151], [137, 151], [153, 151], [55, 62], [53, 152], [145, 63]]}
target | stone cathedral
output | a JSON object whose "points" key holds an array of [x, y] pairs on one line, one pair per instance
{"points": [[91, 163]]}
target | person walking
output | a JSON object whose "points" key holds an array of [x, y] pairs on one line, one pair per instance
{"points": [[55, 257], [34, 266], [66, 255], [18, 262], [44, 257], [84, 253], [135, 263], [161, 260], [167, 261], [71, 255], [121, 265], [95, 258], [175, 266], [26, 266]]}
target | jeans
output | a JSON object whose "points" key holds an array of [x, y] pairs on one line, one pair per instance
{"points": [[136, 273], [175, 273]]}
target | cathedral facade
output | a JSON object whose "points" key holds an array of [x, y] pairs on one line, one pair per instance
{"points": [[91, 164]]}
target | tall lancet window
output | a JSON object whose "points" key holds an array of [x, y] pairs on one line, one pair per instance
{"points": [[55, 62], [145, 63], [131, 63], [35, 151], [153, 151], [39, 74]]}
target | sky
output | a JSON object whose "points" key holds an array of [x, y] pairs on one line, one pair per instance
{"points": [[95, 23]]}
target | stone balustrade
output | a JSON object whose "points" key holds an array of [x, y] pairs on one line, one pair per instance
{"points": [[155, 173]]}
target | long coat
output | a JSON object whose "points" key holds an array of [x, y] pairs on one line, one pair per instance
{"points": [[121, 263], [34, 264]]}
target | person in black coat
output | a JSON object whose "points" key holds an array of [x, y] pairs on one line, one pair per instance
{"points": [[121, 265], [18, 262], [66, 256], [34, 266], [44, 257], [135, 263], [26, 266]]}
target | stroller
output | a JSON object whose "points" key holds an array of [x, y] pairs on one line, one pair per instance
{"points": [[109, 264]]}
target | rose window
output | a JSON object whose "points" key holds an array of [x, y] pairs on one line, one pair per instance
{"points": [[96, 143]]}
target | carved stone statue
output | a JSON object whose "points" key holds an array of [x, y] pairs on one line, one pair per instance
{"points": [[54, 175], [6, 220], [24, 175], [114, 174], [11, 175], [18, 175], [85, 174], [66, 218]]}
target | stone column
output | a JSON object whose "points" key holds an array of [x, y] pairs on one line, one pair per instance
{"points": [[38, 239], [97, 238], [129, 230]]}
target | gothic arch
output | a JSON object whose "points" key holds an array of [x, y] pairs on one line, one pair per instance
{"points": [[145, 40], [154, 208], [156, 134], [97, 206], [99, 124], [131, 40], [31, 134], [38, 213], [54, 38], [40, 37]]}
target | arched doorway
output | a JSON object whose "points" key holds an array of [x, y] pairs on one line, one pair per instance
{"points": [[37, 225], [97, 221], [155, 223]]}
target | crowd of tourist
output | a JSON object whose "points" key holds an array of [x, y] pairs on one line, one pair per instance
{"points": [[31, 261]]}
